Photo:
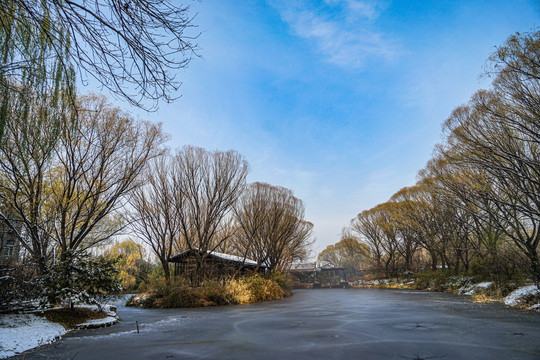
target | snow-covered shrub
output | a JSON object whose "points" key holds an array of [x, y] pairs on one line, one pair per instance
{"points": [[19, 288], [79, 279]]}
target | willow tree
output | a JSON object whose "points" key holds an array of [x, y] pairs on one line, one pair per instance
{"points": [[99, 163], [271, 226], [36, 108], [368, 228], [206, 185], [61, 192], [132, 48], [348, 253], [497, 134], [153, 213]]}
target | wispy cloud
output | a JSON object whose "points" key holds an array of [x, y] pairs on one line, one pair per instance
{"points": [[342, 31]]}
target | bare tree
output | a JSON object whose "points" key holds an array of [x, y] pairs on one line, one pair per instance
{"points": [[368, 228], [496, 137], [153, 216], [132, 48], [206, 186], [272, 229], [482, 187]]}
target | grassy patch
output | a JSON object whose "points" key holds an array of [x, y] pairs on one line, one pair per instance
{"points": [[69, 318]]}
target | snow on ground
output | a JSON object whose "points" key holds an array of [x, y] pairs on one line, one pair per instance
{"points": [[471, 289], [95, 323], [518, 296], [484, 285], [22, 332], [109, 320]]}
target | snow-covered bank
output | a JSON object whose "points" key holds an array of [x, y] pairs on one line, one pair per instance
{"points": [[19, 333], [524, 298], [527, 297], [109, 320]]}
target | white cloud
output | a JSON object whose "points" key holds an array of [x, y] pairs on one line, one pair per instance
{"points": [[363, 8], [342, 31]]}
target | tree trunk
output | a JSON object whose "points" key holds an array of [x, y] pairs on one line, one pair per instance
{"points": [[166, 270], [534, 265], [433, 261]]}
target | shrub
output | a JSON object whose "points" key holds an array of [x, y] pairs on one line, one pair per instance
{"points": [[180, 293], [496, 268], [264, 289], [281, 279], [433, 280], [80, 279], [239, 291]]}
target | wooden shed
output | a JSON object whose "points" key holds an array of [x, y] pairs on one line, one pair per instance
{"points": [[216, 264]]}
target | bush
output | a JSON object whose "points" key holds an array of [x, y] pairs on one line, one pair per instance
{"points": [[264, 289], [238, 291], [497, 268], [281, 279], [180, 293], [19, 286], [433, 280]]}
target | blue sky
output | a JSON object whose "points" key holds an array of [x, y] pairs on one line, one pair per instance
{"points": [[340, 101]]}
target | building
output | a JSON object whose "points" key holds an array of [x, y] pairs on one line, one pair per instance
{"points": [[216, 265], [9, 244]]}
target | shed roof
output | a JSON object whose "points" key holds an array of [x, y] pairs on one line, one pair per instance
{"points": [[304, 267], [180, 256]]}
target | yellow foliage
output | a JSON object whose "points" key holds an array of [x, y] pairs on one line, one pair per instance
{"points": [[128, 281], [239, 291], [129, 258]]}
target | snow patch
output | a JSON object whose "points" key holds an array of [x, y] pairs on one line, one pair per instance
{"points": [[109, 320], [97, 323], [471, 289], [22, 332], [518, 296], [484, 285]]}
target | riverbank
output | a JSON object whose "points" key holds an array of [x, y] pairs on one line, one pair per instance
{"points": [[21, 332], [525, 297]]}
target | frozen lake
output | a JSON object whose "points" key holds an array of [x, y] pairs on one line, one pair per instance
{"points": [[315, 324]]}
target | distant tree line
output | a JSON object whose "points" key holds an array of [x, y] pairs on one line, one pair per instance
{"points": [[476, 205], [349, 253]]}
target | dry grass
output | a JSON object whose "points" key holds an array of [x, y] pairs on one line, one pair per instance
{"points": [[239, 291], [180, 293], [71, 317], [483, 298]]}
